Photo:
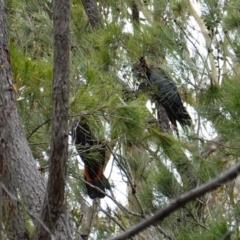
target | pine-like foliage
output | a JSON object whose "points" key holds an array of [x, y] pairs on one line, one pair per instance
{"points": [[197, 44]]}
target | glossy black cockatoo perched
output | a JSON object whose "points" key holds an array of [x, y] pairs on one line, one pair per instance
{"points": [[92, 153], [165, 91]]}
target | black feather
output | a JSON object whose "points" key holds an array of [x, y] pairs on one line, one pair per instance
{"points": [[92, 153], [166, 93]]}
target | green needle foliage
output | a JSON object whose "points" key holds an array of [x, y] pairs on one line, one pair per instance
{"points": [[198, 43]]}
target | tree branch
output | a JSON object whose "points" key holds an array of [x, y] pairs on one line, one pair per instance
{"points": [[112, 218], [14, 198], [89, 216], [91, 9], [36, 128], [180, 201], [114, 200]]}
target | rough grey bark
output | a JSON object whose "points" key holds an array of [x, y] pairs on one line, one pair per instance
{"points": [[12, 218], [14, 150], [163, 120], [17, 167], [54, 204], [91, 9]]}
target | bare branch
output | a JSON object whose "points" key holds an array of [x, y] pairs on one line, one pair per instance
{"points": [[163, 232], [180, 201], [128, 174], [112, 218], [89, 216], [115, 201], [208, 40], [14, 198], [36, 128]]}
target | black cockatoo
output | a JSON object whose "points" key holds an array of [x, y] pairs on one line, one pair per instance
{"points": [[92, 153], [165, 91]]}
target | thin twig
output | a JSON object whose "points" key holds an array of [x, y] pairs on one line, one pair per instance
{"points": [[36, 128], [28, 211], [195, 220], [117, 203], [164, 233], [226, 236], [180, 202], [112, 218], [129, 176]]}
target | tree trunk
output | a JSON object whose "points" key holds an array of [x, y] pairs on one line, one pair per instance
{"points": [[53, 205], [17, 165]]}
